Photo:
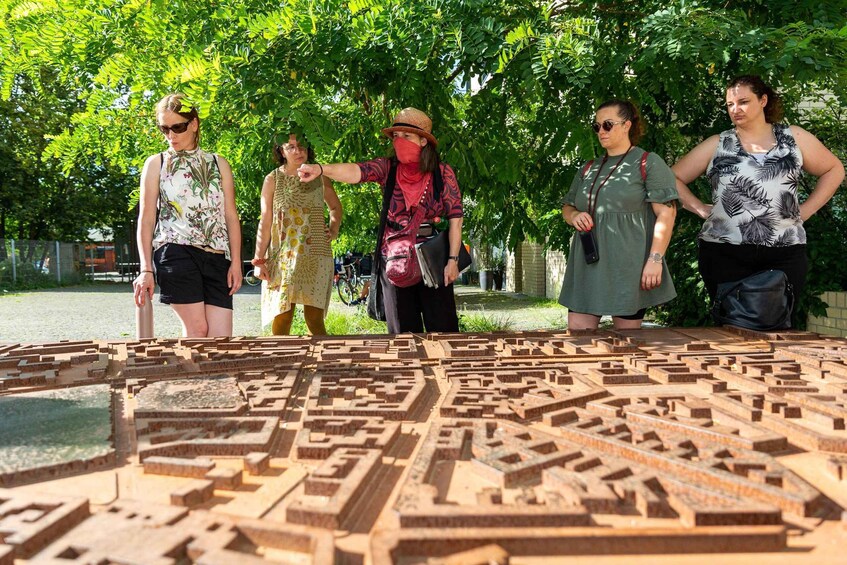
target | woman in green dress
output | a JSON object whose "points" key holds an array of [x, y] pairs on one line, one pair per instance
{"points": [[293, 255], [624, 206]]}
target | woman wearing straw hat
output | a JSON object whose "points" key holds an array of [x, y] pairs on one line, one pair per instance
{"points": [[417, 189]]}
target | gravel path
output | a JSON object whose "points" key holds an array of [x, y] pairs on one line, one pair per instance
{"points": [[106, 311], [100, 311]]}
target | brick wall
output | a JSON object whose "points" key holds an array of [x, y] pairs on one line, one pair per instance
{"points": [[534, 277], [835, 321]]}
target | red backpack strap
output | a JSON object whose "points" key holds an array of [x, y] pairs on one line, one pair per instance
{"points": [[586, 167], [644, 167]]}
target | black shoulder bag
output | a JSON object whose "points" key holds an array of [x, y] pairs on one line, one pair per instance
{"points": [[763, 302], [376, 304]]}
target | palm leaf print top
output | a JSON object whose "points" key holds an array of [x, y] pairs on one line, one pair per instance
{"points": [[191, 202], [755, 196]]}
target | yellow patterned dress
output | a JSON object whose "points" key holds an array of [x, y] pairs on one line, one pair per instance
{"points": [[300, 265]]}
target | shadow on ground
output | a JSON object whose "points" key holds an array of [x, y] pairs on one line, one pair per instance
{"points": [[476, 299]]}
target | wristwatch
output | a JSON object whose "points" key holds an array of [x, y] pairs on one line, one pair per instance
{"points": [[454, 258], [655, 257]]}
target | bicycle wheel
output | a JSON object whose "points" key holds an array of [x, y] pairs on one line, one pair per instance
{"points": [[251, 279], [346, 291]]}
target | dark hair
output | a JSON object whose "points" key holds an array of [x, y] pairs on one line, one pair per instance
{"points": [[429, 157], [279, 154], [173, 103], [773, 107], [627, 110]]}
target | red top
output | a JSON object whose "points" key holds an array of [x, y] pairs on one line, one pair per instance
{"points": [[448, 206]]}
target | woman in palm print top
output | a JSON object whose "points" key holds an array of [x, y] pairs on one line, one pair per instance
{"points": [[756, 220], [188, 227]]}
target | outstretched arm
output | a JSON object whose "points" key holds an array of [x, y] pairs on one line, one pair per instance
{"points": [[349, 173]]}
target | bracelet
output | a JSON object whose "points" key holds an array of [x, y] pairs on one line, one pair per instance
{"points": [[257, 262], [322, 169], [454, 258], [145, 271]]}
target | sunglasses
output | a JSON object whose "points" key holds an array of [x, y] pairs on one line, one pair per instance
{"points": [[176, 128], [607, 125]]}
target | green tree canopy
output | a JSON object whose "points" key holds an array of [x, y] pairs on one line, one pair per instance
{"points": [[510, 84]]}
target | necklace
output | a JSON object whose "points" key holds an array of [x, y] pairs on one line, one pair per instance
{"points": [[591, 193]]}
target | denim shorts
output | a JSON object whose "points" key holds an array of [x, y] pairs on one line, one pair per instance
{"points": [[188, 274]]}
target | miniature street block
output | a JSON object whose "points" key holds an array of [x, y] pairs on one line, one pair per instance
{"points": [[193, 493], [257, 463]]}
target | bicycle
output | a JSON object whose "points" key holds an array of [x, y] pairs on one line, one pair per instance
{"points": [[348, 282]]}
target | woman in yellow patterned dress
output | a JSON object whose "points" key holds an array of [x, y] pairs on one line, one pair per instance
{"points": [[293, 257]]}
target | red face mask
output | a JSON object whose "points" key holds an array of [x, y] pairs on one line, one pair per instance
{"points": [[406, 151]]}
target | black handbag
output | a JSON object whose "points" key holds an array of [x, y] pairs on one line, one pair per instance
{"points": [[433, 255], [763, 301], [375, 304]]}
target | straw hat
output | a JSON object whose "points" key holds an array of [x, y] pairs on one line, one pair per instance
{"points": [[412, 120]]}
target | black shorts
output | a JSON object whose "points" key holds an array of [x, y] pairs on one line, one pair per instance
{"points": [[188, 274], [637, 316]]}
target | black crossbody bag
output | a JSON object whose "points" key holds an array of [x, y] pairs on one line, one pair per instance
{"points": [[763, 302]]}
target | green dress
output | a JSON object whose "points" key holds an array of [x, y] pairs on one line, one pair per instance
{"points": [[623, 228]]}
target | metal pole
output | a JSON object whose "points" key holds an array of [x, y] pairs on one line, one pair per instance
{"points": [[14, 266], [92, 261], [58, 264], [144, 318]]}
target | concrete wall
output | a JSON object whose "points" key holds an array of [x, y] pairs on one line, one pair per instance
{"points": [[514, 271], [556, 261], [835, 321]]}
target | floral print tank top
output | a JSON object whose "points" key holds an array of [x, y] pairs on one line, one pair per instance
{"points": [[755, 196], [191, 202]]}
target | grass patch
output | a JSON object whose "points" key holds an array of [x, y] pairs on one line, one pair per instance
{"points": [[542, 302], [358, 322], [476, 322], [559, 322], [337, 322]]}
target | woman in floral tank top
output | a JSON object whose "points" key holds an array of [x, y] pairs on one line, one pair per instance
{"points": [[755, 221], [188, 227]]}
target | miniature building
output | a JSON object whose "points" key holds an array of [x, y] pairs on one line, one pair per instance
{"points": [[435, 448]]}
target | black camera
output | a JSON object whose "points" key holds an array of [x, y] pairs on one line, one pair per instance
{"points": [[589, 246]]}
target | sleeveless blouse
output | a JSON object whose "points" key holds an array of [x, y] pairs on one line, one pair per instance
{"points": [[754, 196], [191, 202]]}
